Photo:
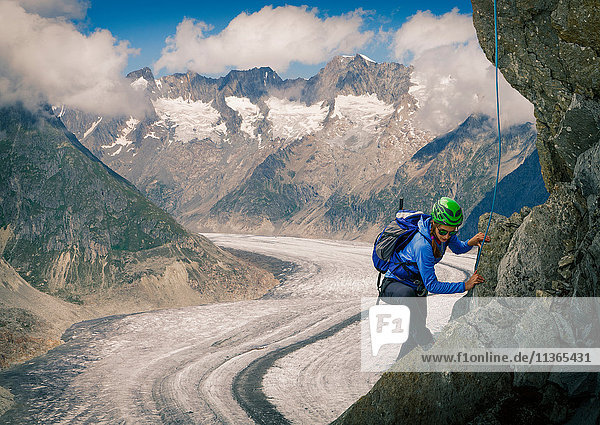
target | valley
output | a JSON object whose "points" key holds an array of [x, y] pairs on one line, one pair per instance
{"points": [[301, 342]]}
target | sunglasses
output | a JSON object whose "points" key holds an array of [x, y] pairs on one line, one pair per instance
{"points": [[446, 232]]}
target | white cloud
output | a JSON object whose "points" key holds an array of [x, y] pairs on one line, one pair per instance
{"points": [[72, 9], [49, 60], [452, 75], [424, 31], [272, 37]]}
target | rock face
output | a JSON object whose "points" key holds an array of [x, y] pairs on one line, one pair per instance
{"points": [[501, 232], [549, 51], [484, 397], [6, 400], [75, 230], [549, 233], [31, 322], [411, 398]]}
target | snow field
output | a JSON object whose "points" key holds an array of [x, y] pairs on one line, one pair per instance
{"points": [[366, 112], [191, 119], [122, 140], [248, 111], [294, 120]]}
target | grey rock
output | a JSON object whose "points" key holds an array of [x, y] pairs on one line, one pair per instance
{"points": [[493, 325], [537, 327], [566, 260], [587, 413], [587, 172], [537, 246], [501, 232], [429, 397], [530, 380], [576, 384], [6, 400], [548, 50], [422, 398]]}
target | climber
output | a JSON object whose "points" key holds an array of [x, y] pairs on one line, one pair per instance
{"points": [[411, 272]]}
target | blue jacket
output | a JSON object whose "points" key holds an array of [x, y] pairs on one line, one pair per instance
{"points": [[419, 261]]}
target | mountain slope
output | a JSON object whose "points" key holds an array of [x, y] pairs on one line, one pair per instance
{"points": [[74, 229], [462, 164], [31, 322], [303, 188]]}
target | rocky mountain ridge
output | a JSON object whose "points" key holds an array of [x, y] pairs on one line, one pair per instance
{"points": [[458, 163], [211, 148]]}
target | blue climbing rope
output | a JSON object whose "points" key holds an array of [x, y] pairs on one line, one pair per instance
{"points": [[499, 139]]}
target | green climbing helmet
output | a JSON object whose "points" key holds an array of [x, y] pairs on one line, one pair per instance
{"points": [[447, 211]]}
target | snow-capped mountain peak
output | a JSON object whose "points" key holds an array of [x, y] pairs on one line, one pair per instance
{"points": [[206, 136]]}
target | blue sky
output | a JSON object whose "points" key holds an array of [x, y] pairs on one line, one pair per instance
{"points": [[146, 25]]}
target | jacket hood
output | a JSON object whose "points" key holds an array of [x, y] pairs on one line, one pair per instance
{"points": [[425, 227]]}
